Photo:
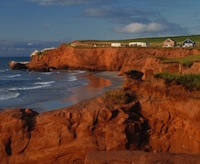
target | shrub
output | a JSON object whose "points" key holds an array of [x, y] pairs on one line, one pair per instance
{"points": [[118, 97]]}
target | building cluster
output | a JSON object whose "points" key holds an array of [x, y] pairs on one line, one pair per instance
{"points": [[171, 43], [107, 44], [166, 43]]}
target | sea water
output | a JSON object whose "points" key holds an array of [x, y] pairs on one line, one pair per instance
{"points": [[26, 89]]}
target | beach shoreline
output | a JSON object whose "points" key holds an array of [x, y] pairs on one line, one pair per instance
{"points": [[98, 83]]}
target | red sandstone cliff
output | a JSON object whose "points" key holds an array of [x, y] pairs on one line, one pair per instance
{"points": [[148, 116], [114, 59]]}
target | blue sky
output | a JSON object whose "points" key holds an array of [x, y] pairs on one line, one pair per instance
{"points": [[27, 25]]}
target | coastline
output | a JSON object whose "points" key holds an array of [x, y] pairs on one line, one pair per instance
{"points": [[98, 83], [148, 114]]}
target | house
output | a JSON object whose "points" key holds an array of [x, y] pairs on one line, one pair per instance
{"points": [[168, 43], [116, 45], [138, 44], [188, 43]]}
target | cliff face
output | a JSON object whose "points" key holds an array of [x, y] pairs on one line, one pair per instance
{"points": [[67, 135], [149, 116], [146, 114], [114, 59], [173, 115]]}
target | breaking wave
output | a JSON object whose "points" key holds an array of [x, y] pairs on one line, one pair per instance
{"points": [[29, 88], [8, 95], [12, 76], [44, 83]]}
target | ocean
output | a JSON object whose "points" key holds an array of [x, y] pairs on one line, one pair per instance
{"points": [[40, 91]]}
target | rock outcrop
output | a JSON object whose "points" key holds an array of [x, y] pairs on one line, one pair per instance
{"points": [[18, 65], [106, 59], [67, 135], [149, 116], [172, 112]]}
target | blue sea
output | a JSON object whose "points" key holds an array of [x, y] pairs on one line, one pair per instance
{"points": [[40, 91]]}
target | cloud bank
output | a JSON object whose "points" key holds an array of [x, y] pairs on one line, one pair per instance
{"points": [[142, 27], [133, 18], [136, 21], [120, 15]]}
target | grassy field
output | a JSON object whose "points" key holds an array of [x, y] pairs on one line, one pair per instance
{"points": [[157, 41], [190, 81], [185, 61]]}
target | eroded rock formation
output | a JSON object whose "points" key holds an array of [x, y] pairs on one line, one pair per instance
{"points": [[172, 112], [107, 59], [145, 115], [18, 65], [69, 134]]}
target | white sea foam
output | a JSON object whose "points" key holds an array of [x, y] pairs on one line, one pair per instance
{"points": [[72, 78], [80, 72], [44, 83], [77, 72], [29, 88], [8, 95], [12, 76]]}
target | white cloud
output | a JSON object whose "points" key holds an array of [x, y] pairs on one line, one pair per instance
{"points": [[141, 27]]}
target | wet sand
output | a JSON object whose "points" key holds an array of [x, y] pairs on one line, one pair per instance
{"points": [[99, 82]]}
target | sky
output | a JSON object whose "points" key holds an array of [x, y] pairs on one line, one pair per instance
{"points": [[27, 25]]}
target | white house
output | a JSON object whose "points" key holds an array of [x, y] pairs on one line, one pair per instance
{"points": [[116, 45], [188, 43], [138, 44]]}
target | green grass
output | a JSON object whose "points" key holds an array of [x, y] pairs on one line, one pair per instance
{"points": [[190, 81], [185, 61], [155, 41]]}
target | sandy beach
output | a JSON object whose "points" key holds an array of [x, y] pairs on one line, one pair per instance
{"points": [[98, 83]]}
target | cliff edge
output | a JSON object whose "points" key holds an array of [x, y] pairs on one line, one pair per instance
{"points": [[147, 114], [108, 59]]}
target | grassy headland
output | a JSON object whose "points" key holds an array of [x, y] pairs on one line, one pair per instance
{"points": [[154, 41]]}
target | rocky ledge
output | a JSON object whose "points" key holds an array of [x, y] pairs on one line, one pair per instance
{"points": [[147, 114], [112, 59], [18, 65], [109, 59], [150, 116]]}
